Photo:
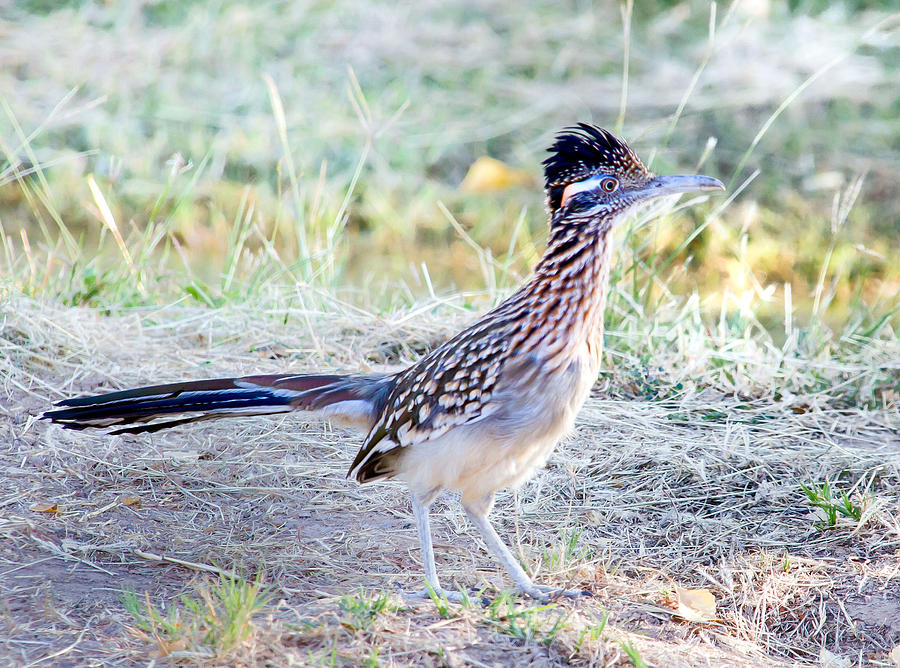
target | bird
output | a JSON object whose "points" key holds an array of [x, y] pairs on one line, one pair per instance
{"points": [[480, 412]]}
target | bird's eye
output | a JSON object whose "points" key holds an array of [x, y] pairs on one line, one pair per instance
{"points": [[604, 183], [609, 184]]}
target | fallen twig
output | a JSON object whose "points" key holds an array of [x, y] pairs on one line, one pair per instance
{"points": [[188, 564]]}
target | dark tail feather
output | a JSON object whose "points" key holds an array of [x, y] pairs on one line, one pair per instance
{"points": [[356, 398]]}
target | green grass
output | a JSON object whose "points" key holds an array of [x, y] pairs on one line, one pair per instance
{"points": [[567, 552], [359, 612], [524, 621], [323, 155], [634, 655], [593, 632], [214, 621], [832, 503]]}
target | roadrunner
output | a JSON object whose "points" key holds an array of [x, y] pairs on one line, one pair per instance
{"points": [[485, 409]]}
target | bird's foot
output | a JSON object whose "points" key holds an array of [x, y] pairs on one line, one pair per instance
{"points": [[437, 595], [546, 593]]}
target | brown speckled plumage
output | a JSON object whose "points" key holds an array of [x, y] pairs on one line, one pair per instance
{"points": [[485, 409]]}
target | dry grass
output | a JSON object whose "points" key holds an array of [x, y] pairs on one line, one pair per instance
{"points": [[677, 477]]}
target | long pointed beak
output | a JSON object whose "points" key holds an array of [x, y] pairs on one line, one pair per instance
{"points": [[660, 186]]}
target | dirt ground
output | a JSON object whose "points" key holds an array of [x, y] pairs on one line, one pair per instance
{"points": [[647, 500]]}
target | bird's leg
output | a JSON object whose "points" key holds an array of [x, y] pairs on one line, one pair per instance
{"points": [[420, 506], [477, 514], [423, 526]]}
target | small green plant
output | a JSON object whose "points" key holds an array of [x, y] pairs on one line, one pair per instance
{"points": [[592, 632], [214, 621], [567, 550], [823, 497], [442, 604], [169, 629], [525, 623], [358, 612], [633, 655]]}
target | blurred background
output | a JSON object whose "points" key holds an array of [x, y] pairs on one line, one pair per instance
{"points": [[163, 150]]}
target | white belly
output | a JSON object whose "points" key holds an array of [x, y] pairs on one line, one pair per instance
{"points": [[506, 448]]}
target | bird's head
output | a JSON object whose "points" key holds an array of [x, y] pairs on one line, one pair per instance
{"points": [[591, 174]]}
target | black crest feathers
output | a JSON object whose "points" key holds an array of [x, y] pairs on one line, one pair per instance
{"points": [[581, 151]]}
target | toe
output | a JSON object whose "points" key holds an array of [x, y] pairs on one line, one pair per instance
{"points": [[426, 595], [546, 593]]}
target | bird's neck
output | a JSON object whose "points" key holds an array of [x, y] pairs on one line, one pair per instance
{"points": [[567, 294]]}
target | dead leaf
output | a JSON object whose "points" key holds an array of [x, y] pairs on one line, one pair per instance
{"points": [[130, 500], [895, 656], [696, 605], [830, 660], [46, 508], [490, 175]]}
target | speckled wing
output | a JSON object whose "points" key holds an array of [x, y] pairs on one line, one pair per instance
{"points": [[449, 387]]}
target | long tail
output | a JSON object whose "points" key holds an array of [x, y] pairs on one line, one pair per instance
{"points": [[354, 399]]}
